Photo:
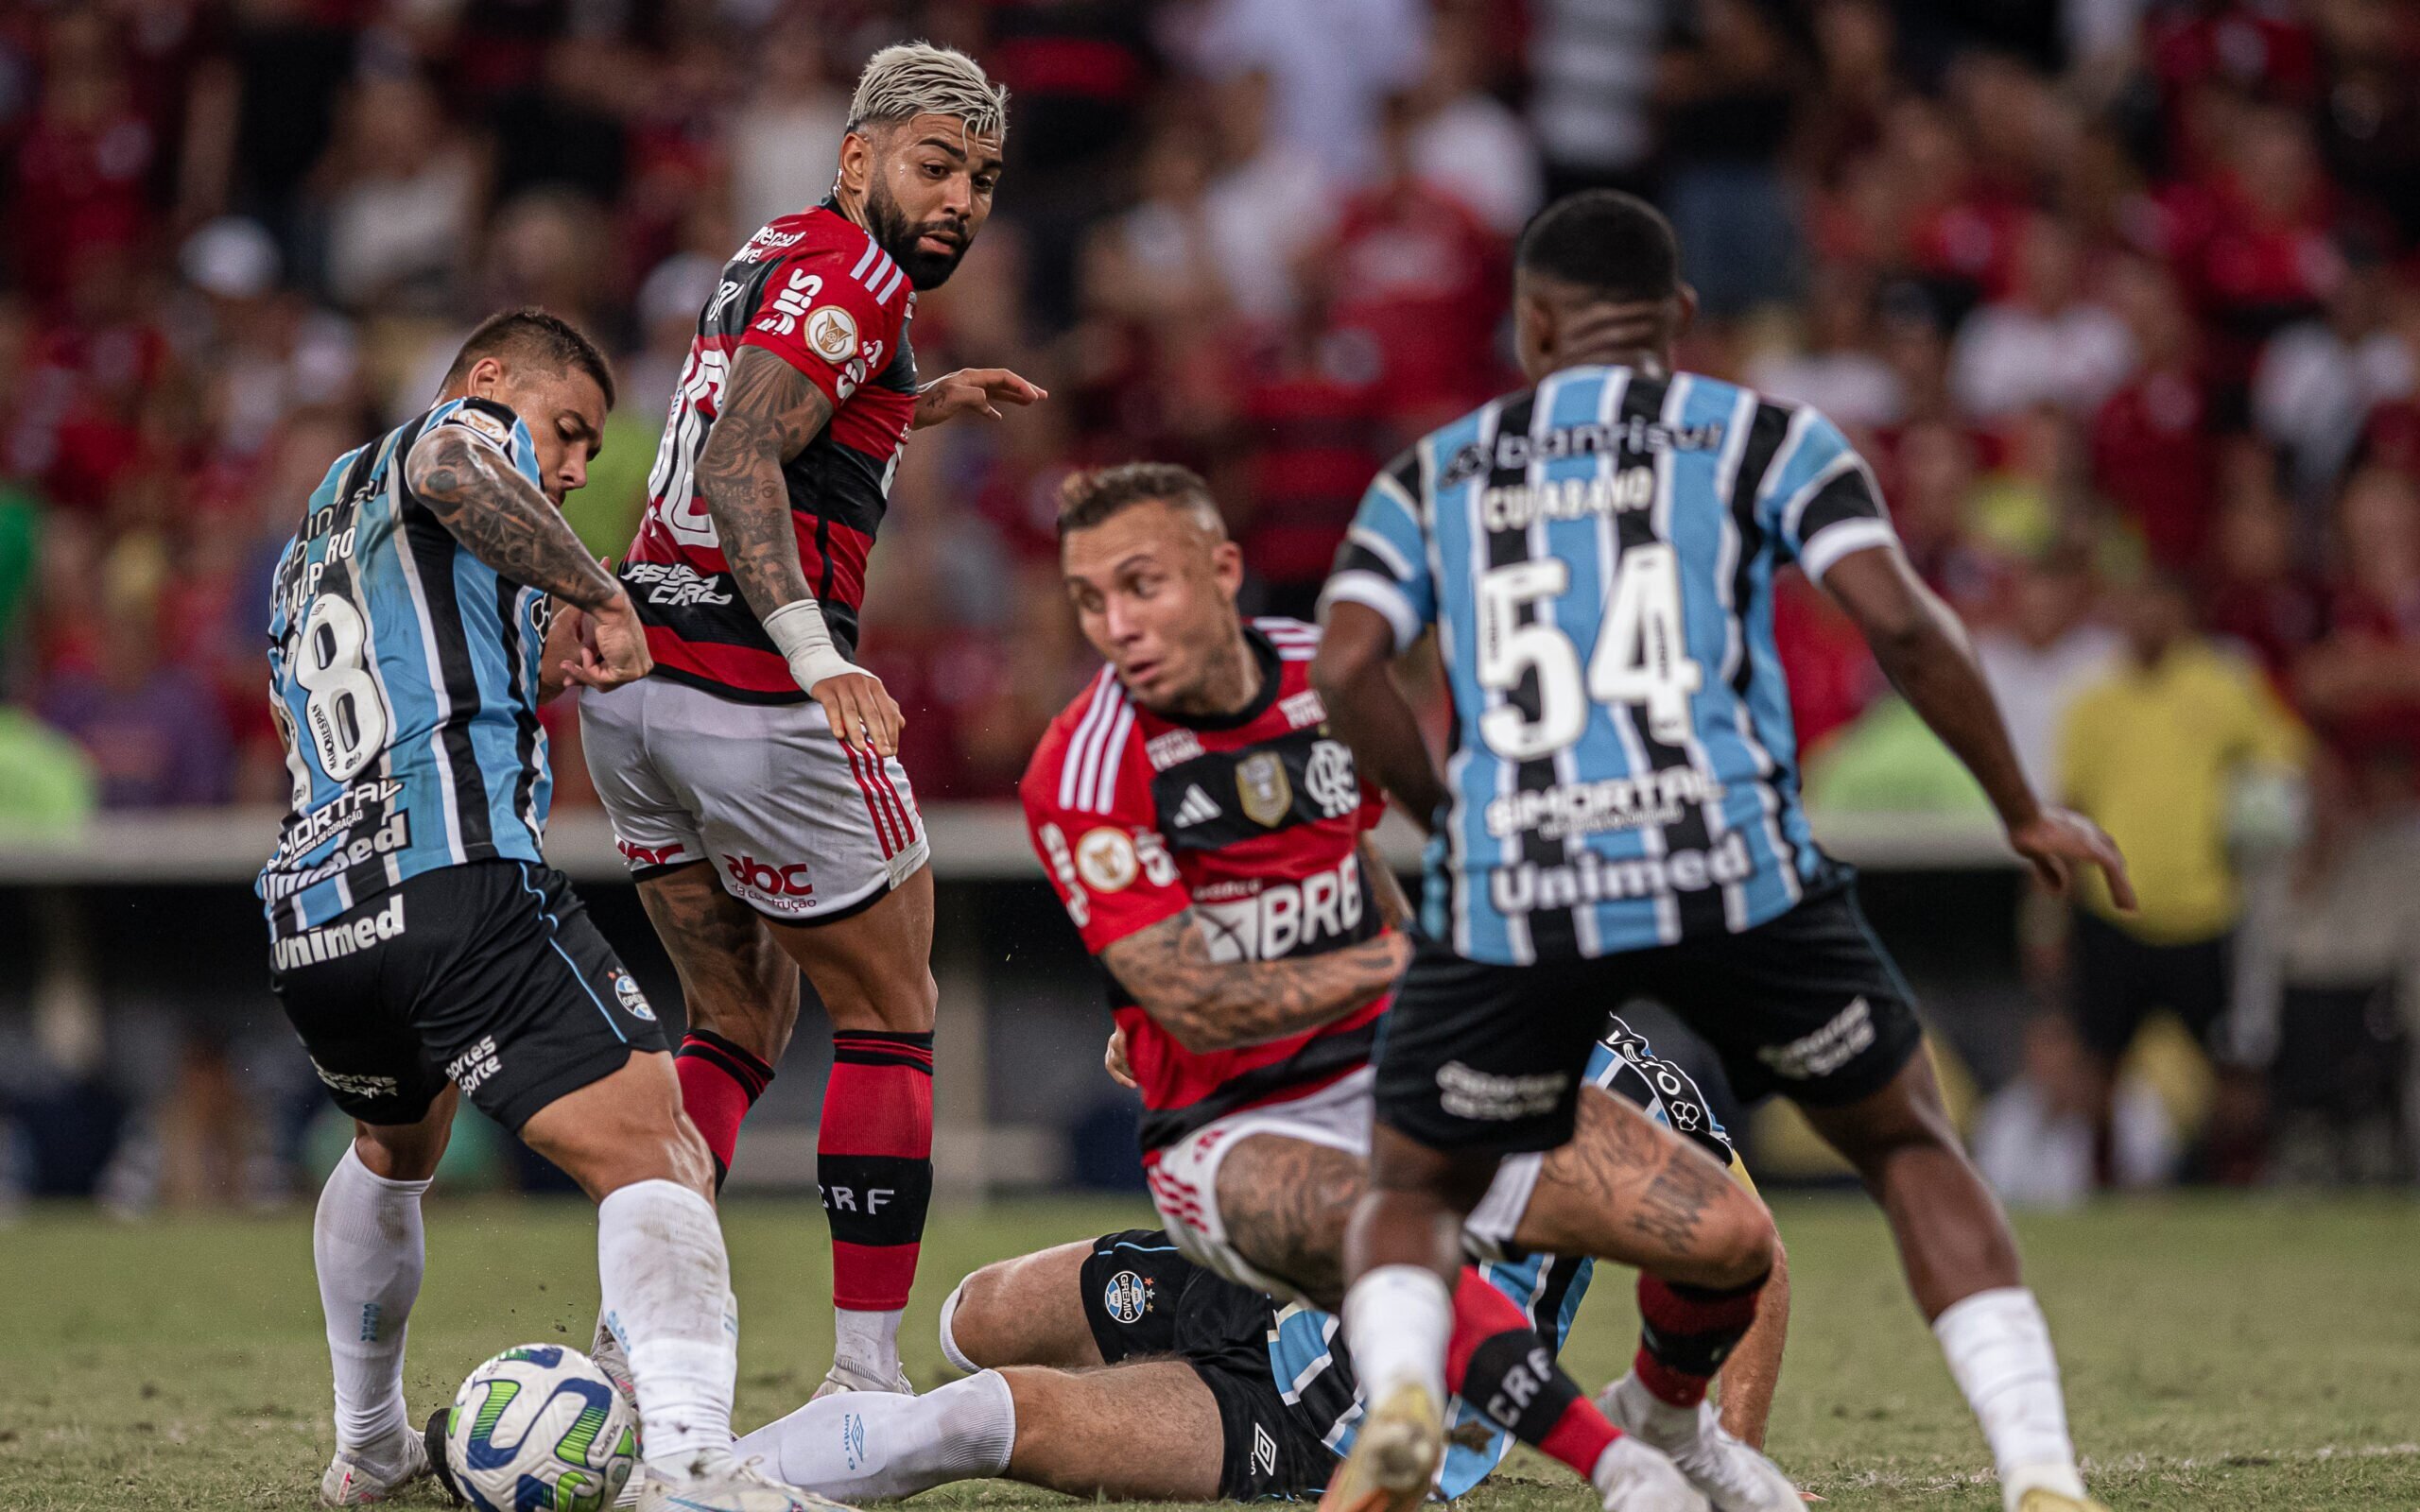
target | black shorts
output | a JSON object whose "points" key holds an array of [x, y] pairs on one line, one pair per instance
{"points": [[1486, 1059], [2119, 982], [1145, 1300], [489, 975]]}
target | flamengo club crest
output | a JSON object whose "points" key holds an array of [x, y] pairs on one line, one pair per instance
{"points": [[1262, 785]]}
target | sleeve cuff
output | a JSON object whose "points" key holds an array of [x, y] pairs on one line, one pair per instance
{"points": [[1374, 591], [1816, 556]]}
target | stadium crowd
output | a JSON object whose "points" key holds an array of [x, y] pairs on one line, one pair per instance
{"points": [[2121, 299]]}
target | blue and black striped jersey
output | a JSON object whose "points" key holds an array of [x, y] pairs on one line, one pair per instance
{"points": [[403, 674], [1597, 556]]}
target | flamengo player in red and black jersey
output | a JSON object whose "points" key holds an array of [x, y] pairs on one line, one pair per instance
{"points": [[1208, 837], [753, 782]]}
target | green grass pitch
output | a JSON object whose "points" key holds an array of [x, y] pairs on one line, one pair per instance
{"points": [[2259, 1353]]}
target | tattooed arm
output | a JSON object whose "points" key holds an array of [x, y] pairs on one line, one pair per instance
{"points": [[1211, 1005], [505, 520], [769, 411]]}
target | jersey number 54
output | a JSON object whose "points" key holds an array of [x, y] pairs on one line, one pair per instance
{"points": [[1641, 658]]}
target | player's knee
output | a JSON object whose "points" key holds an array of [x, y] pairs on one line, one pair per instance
{"points": [[967, 1323], [1743, 1243]]}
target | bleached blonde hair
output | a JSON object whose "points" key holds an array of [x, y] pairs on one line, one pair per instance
{"points": [[915, 79]]}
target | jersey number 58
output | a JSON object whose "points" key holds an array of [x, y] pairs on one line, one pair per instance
{"points": [[1641, 658]]}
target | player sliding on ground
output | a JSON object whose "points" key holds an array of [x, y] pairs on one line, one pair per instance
{"points": [[1211, 1389], [431, 600], [752, 781], [1620, 818], [1207, 836]]}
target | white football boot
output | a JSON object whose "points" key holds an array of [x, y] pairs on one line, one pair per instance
{"points": [[375, 1472], [1734, 1477], [723, 1482], [1633, 1476], [844, 1376]]}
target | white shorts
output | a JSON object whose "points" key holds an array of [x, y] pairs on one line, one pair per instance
{"points": [[1185, 1179], [792, 820]]}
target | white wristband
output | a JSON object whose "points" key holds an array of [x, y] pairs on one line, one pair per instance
{"points": [[799, 631]]}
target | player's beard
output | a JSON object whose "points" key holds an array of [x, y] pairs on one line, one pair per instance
{"points": [[894, 235]]}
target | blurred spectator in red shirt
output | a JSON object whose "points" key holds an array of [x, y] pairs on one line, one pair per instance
{"points": [[2151, 441], [1311, 422], [84, 166], [2258, 591], [2360, 685], [1417, 272]]}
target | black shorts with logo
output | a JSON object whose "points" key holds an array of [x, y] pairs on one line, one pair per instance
{"points": [[1486, 1059], [489, 975], [1144, 1299]]}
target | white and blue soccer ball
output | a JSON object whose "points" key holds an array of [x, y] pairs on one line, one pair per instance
{"points": [[540, 1429]]}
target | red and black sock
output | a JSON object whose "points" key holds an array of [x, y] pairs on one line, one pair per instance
{"points": [[1685, 1332], [874, 1162], [1500, 1365], [719, 1083]]}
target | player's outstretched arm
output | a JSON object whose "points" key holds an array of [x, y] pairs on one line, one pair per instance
{"points": [[508, 522], [1208, 1004], [769, 411], [503, 519], [1924, 653], [1353, 673], [972, 392]]}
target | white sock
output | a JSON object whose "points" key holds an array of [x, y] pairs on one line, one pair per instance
{"points": [[666, 1286], [950, 1350], [871, 1446], [867, 1343], [1397, 1320], [1999, 1347], [366, 1247]]}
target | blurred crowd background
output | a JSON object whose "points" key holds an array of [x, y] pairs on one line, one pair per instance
{"points": [[2121, 299]]}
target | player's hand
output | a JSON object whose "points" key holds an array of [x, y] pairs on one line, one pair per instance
{"points": [[2057, 841], [972, 392], [613, 646], [1114, 1060], [861, 712]]}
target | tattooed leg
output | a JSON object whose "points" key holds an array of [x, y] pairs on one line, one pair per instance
{"points": [[742, 999], [1285, 1202], [1627, 1189], [735, 979]]}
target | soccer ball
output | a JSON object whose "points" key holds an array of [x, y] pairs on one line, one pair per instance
{"points": [[540, 1429]]}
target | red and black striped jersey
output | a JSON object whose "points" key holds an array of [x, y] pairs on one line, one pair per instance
{"points": [[1251, 821], [815, 290]]}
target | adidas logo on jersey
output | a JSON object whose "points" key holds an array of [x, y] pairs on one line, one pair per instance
{"points": [[1196, 809]]}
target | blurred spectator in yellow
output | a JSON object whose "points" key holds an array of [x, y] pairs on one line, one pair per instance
{"points": [[2154, 752]]}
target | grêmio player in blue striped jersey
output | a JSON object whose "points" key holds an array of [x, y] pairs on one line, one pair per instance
{"points": [[1618, 816], [431, 599]]}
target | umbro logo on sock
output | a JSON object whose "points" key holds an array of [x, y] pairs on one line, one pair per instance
{"points": [[1196, 809]]}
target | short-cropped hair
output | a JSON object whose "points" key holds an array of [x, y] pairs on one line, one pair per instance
{"points": [[914, 78], [538, 337], [1604, 241], [1093, 497]]}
